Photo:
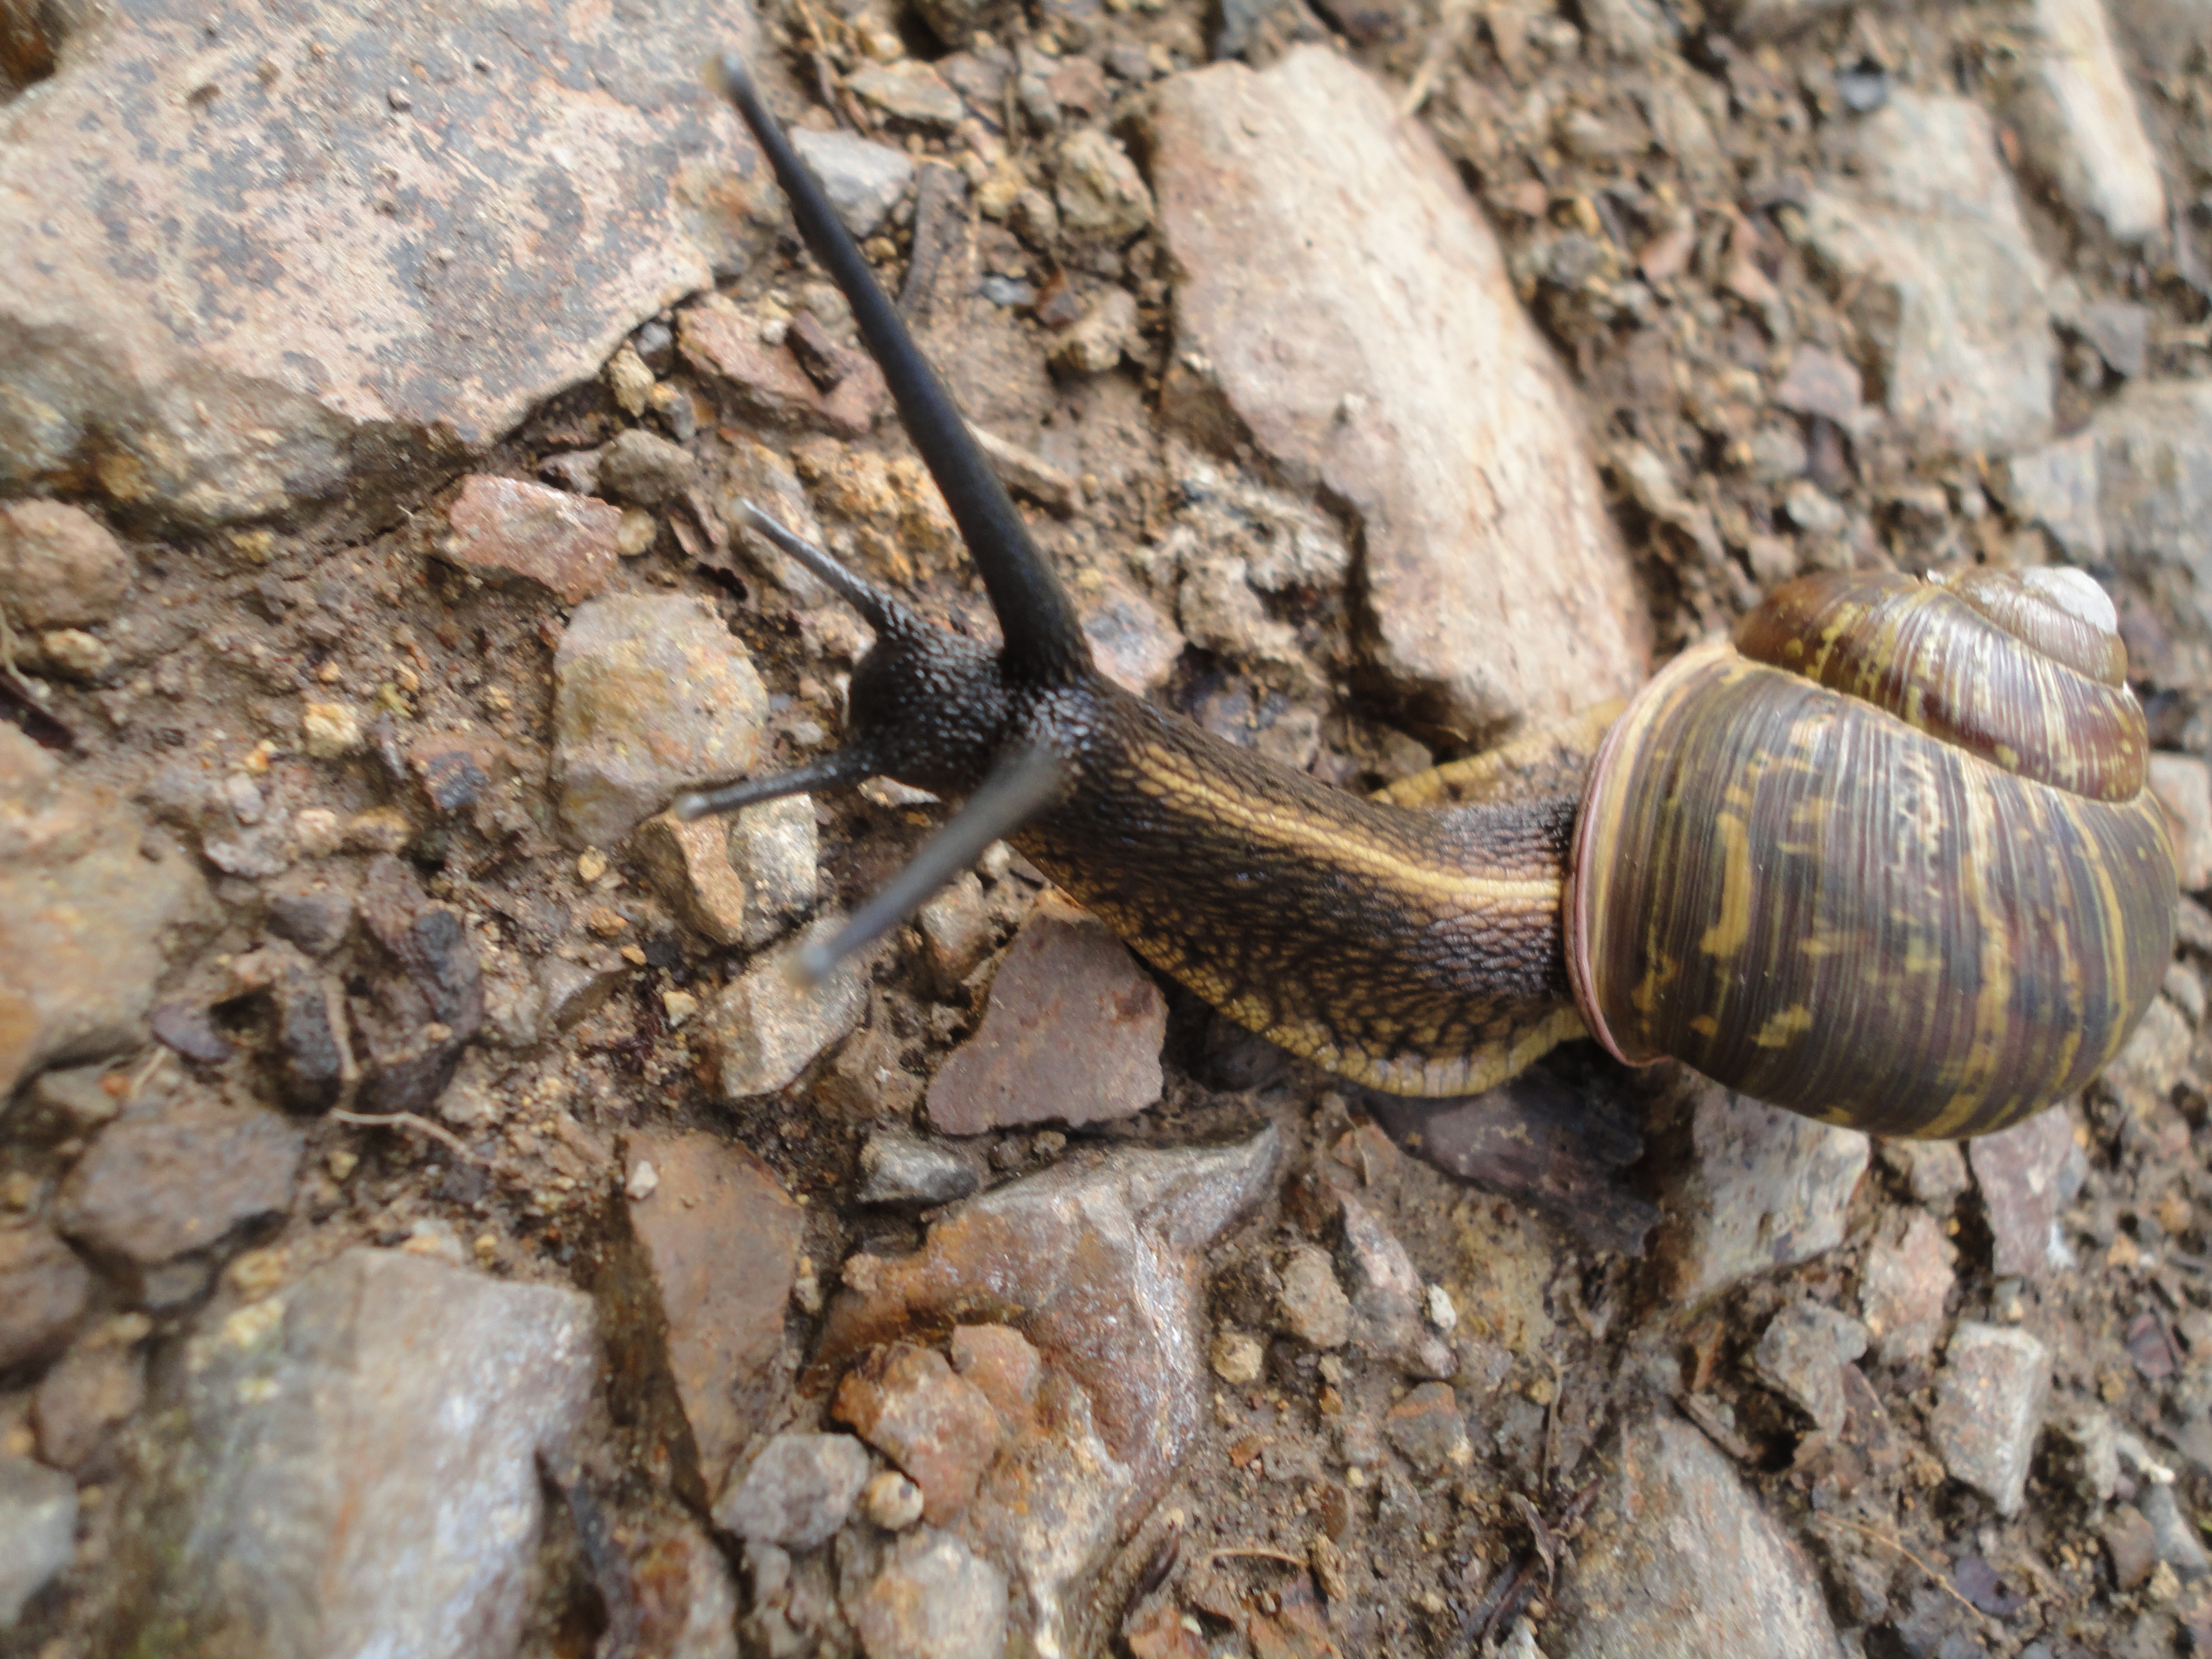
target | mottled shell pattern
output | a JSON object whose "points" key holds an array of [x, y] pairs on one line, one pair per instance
{"points": [[1887, 860]]}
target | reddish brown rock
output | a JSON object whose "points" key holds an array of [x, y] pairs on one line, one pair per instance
{"points": [[153, 1188], [768, 382], [457, 768], [701, 1290], [1072, 1033], [1414, 390], [43, 1288], [366, 237], [999, 1360], [1098, 1269], [937, 1426], [59, 565], [504, 527]]}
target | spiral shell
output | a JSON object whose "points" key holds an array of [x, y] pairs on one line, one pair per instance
{"points": [[1887, 860]]}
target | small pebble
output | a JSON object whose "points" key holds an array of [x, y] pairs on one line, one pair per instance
{"points": [[1238, 1357], [892, 1501], [643, 1181]]}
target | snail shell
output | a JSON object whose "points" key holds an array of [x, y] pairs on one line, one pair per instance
{"points": [[1887, 860]]}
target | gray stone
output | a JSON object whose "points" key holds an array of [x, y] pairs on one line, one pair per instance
{"points": [[1100, 336], [1679, 1560], [645, 468], [2056, 487], [1989, 1397], [154, 1188], [1822, 382], [1415, 391], [797, 1491], [2177, 1542], [1101, 197], [1935, 1171], [930, 1599], [568, 990], [899, 1168], [1428, 1431], [38, 1531], [1762, 1188], [2150, 1062], [1104, 1262], [99, 1384], [865, 180], [59, 565], [957, 930], [1801, 1355], [1812, 509], [1903, 1277], [764, 1029], [42, 1291], [1388, 1317], [651, 697], [1942, 281], [2120, 331], [315, 913], [2183, 784], [2164, 31], [1072, 1034], [2078, 123], [1136, 645], [775, 850], [67, 1100], [2086, 1454], [908, 90], [347, 1483], [221, 314], [2017, 1171], [1311, 1306], [85, 912]]}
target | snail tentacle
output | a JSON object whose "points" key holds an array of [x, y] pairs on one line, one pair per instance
{"points": [[1045, 644]]}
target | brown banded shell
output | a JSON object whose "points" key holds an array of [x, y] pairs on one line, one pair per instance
{"points": [[1881, 862]]}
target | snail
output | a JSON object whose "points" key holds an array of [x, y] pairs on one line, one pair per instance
{"points": [[1886, 858]]}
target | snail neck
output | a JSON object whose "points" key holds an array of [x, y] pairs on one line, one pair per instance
{"points": [[1418, 952]]}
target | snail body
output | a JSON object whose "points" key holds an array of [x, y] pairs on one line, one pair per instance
{"points": [[1888, 859]]}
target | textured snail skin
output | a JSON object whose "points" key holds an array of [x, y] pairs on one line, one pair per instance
{"points": [[1927, 896], [2006, 937]]}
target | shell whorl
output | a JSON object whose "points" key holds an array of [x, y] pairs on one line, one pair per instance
{"points": [[1885, 859]]}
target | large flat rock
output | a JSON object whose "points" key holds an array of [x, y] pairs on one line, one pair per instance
{"points": [[356, 1469], [1340, 298], [254, 248]]}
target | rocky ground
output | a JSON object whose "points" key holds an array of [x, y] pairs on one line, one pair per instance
{"points": [[435, 1224]]}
